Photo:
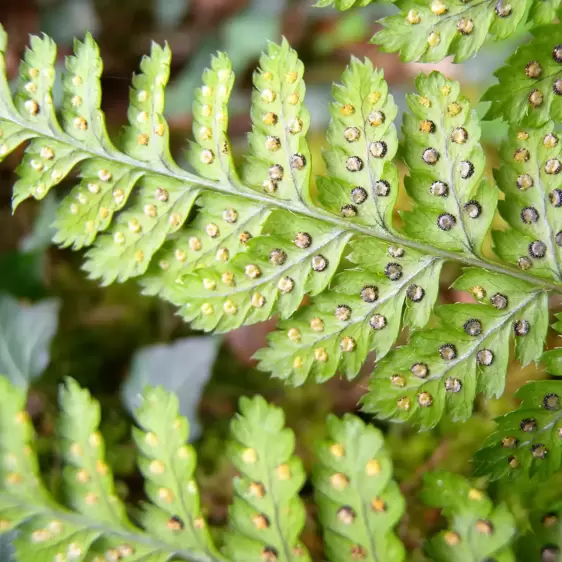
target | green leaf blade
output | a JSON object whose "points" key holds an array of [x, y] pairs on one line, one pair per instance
{"points": [[526, 94], [279, 161], [362, 183], [529, 180], [211, 154], [26, 333], [267, 515], [527, 440], [441, 369], [477, 528], [359, 503], [455, 206], [361, 312], [428, 33]]}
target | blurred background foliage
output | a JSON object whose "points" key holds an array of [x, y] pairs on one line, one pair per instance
{"points": [[113, 340]]}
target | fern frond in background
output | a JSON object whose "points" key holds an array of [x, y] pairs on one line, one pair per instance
{"points": [[429, 31], [478, 529], [359, 503], [529, 87], [99, 524], [267, 515], [543, 542], [527, 441]]}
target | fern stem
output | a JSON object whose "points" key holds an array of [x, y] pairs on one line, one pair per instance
{"points": [[182, 175]]}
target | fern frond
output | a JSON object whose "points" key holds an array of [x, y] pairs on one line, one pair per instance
{"points": [[98, 527], [478, 530], [529, 92], [440, 371], [362, 309], [294, 255], [455, 204], [429, 31], [531, 162], [527, 440], [359, 503], [361, 312], [229, 252], [544, 542], [362, 182], [155, 211], [267, 516]]}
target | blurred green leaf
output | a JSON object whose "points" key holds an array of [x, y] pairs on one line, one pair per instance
{"points": [[68, 19], [182, 367], [169, 13], [26, 333], [22, 274], [350, 28], [41, 235], [246, 35], [6, 549]]}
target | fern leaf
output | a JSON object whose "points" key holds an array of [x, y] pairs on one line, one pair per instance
{"points": [[544, 541], [168, 465], [82, 97], [293, 257], [211, 154], [221, 229], [440, 370], [272, 244], [552, 359], [22, 494], [90, 489], [267, 515], [280, 158], [138, 232], [99, 529], [527, 440], [531, 162], [13, 131], [360, 312], [104, 187], [478, 530], [543, 12], [146, 136], [529, 86], [428, 32], [40, 169], [362, 182], [455, 205], [359, 503], [125, 251]]}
